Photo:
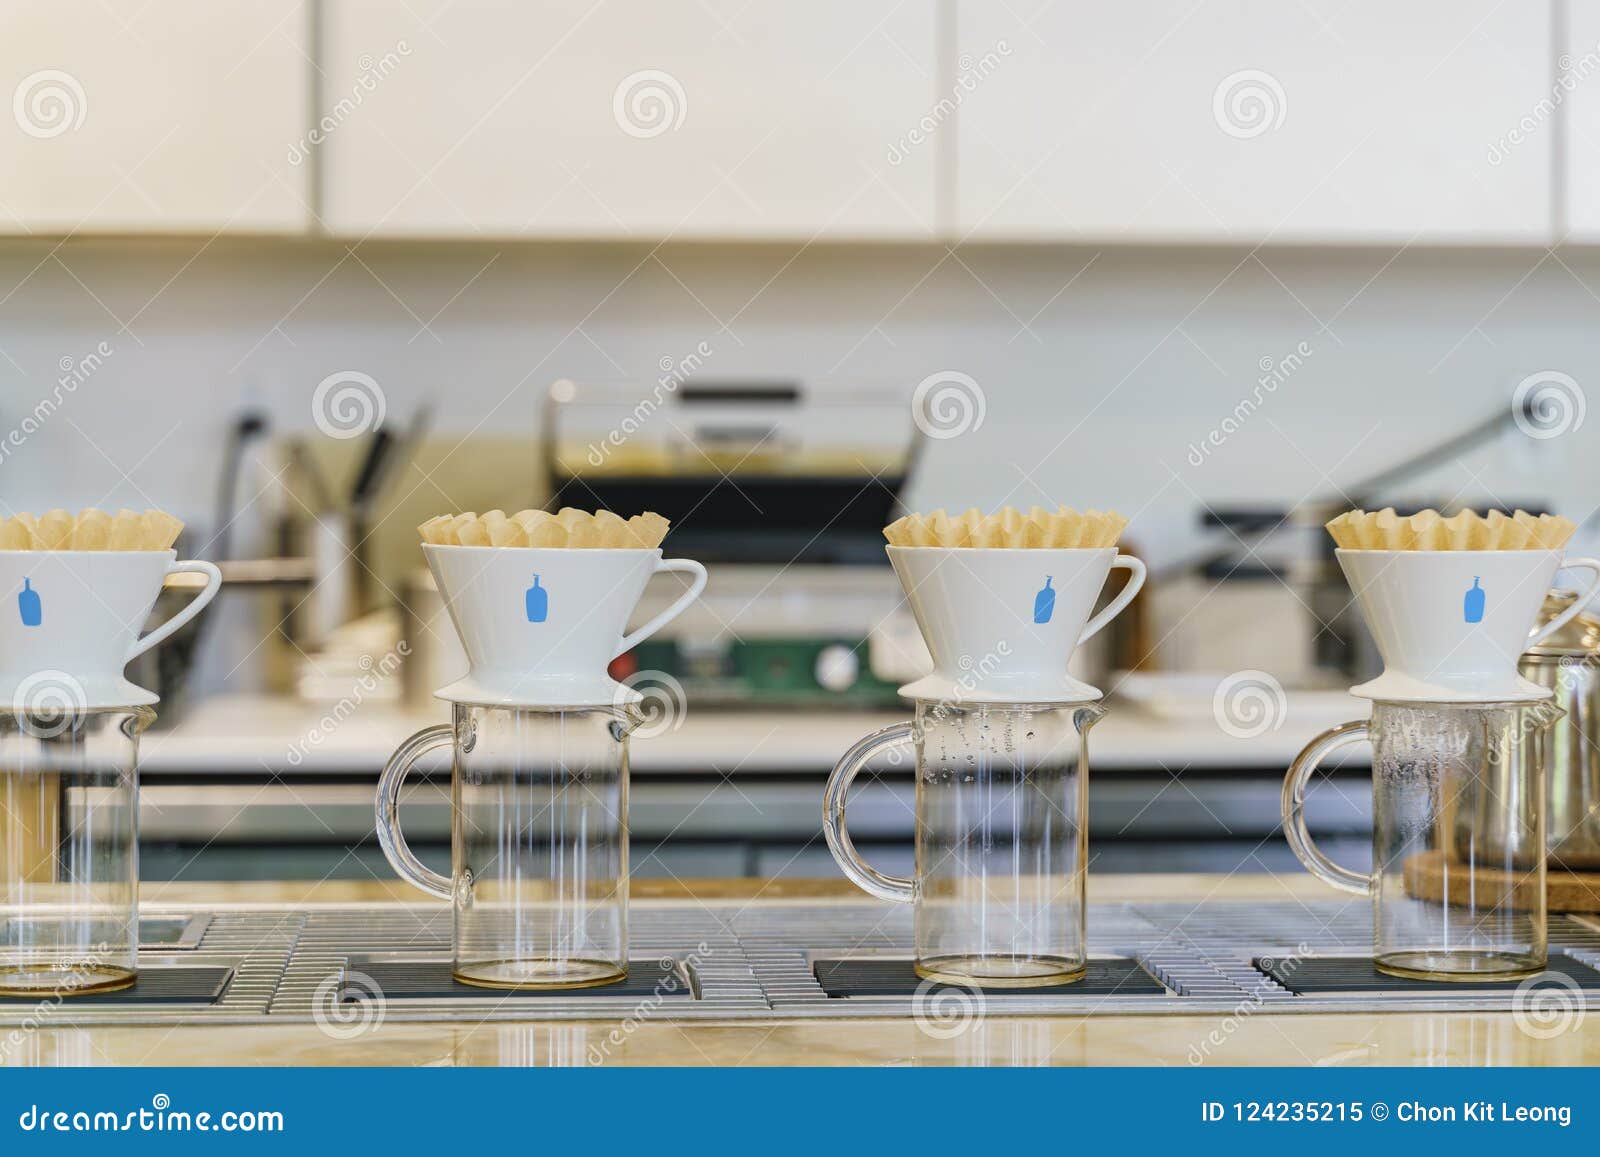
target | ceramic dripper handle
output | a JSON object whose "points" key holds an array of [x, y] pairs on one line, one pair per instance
{"points": [[395, 849], [1125, 596], [860, 873], [684, 566], [196, 604], [1294, 815]]}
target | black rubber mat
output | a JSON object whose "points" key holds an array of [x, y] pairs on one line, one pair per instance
{"points": [[196, 985], [878, 976], [431, 980], [1314, 975]]}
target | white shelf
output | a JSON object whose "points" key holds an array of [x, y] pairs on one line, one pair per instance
{"points": [[245, 735]]}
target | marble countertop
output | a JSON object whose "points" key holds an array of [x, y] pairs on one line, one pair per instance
{"points": [[249, 734], [1344, 1039]]}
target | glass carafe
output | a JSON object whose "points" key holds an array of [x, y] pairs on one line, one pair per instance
{"points": [[1001, 831], [539, 843], [69, 850], [1458, 835]]}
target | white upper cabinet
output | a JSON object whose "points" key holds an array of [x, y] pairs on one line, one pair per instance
{"points": [[638, 118], [1256, 120], [1577, 93], [177, 116]]}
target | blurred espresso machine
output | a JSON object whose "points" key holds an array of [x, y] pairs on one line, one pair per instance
{"points": [[783, 491]]}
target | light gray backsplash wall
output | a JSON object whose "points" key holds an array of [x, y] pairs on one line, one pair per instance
{"points": [[1100, 368]]}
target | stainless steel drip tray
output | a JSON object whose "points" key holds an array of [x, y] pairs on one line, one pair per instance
{"points": [[170, 932], [735, 961], [167, 932]]}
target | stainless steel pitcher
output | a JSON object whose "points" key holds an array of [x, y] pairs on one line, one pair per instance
{"points": [[1568, 662]]}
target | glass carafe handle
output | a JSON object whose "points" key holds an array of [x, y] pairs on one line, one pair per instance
{"points": [[860, 873], [410, 869], [1294, 814], [1579, 604]]}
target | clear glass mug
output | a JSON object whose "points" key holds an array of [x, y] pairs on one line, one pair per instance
{"points": [[1001, 839], [1458, 833], [69, 850], [539, 843]]}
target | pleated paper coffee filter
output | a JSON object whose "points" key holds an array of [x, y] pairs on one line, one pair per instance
{"points": [[568, 527], [1009, 529], [1468, 530], [90, 529]]}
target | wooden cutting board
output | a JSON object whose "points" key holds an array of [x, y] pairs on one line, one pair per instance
{"points": [[1566, 891]]}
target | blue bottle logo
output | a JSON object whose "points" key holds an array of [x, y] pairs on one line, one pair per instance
{"points": [[537, 602], [1472, 604], [28, 605], [1044, 603]]}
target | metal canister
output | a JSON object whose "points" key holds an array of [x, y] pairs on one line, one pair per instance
{"points": [[1568, 662]]}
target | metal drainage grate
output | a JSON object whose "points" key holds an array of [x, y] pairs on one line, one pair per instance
{"points": [[430, 979], [882, 976], [173, 932], [164, 932], [181, 985], [758, 960], [251, 944], [1335, 926], [1315, 975]]}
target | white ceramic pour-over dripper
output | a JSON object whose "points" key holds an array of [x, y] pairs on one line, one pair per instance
{"points": [[1451, 624], [1001, 624], [70, 619], [540, 625]]}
